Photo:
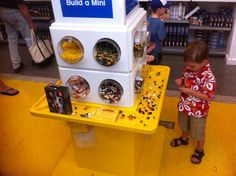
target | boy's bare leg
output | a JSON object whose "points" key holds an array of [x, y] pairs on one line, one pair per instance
{"points": [[185, 136], [200, 145]]}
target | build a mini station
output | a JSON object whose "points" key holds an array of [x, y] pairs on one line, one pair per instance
{"points": [[100, 48]]}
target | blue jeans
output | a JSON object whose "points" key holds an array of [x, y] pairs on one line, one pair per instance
{"points": [[14, 22]]}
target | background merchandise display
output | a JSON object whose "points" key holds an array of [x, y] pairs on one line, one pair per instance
{"points": [[212, 21]]}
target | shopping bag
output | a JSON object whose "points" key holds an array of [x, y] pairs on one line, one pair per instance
{"points": [[41, 49]]}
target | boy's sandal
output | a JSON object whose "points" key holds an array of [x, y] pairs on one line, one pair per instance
{"points": [[197, 156], [178, 141]]}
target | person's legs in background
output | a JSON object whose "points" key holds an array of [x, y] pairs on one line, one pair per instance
{"points": [[8, 17], [23, 27], [15, 22], [12, 36]]}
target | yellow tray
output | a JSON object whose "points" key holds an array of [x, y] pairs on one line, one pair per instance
{"points": [[143, 117]]}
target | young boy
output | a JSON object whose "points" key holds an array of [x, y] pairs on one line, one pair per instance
{"points": [[156, 28], [197, 87]]}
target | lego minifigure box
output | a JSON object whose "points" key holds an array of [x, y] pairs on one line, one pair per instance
{"points": [[58, 98]]}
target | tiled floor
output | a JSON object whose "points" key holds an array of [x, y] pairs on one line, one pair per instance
{"points": [[225, 74]]}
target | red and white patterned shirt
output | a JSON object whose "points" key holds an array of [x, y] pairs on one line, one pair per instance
{"points": [[204, 82]]}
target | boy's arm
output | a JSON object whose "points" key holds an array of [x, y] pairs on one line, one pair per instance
{"points": [[179, 82], [194, 93], [151, 47], [161, 33]]}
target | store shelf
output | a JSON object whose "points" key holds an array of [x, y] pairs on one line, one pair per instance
{"points": [[173, 50], [209, 28], [217, 51], [177, 21], [20, 41], [180, 50], [41, 18]]}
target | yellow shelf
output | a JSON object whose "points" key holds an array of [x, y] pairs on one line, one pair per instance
{"points": [[143, 117]]}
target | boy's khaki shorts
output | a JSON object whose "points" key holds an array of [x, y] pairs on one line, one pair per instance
{"points": [[196, 126]]}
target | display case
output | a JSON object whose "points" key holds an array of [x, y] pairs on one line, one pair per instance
{"points": [[101, 59], [103, 52], [96, 47], [109, 88]]}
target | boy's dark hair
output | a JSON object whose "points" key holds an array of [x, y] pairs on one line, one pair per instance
{"points": [[197, 52]]}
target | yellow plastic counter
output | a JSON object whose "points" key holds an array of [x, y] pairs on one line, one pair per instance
{"points": [[143, 117], [119, 134]]}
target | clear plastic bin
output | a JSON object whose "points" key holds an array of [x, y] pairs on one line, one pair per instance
{"points": [[83, 136]]}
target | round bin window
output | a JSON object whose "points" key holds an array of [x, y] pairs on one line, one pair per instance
{"points": [[138, 84], [110, 91], [139, 44], [70, 49], [106, 52], [78, 87]]}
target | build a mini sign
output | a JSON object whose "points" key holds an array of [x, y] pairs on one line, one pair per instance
{"points": [[87, 8]]}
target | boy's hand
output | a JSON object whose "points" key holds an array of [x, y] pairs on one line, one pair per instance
{"points": [[150, 58], [187, 91], [178, 82]]}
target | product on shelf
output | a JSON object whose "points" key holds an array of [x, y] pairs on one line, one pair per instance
{"points": [[138, 82], [192, 12], [196, 21], [215, 39], [177, 10], [176, 35], [110, 91], [70, 49], [40, 9], [78, 87], [202, 35], [107, 52], [139, 44], [58, 99], [222, 18]]}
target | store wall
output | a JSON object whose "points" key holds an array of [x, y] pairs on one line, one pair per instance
{"points": [[231, 48]]}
